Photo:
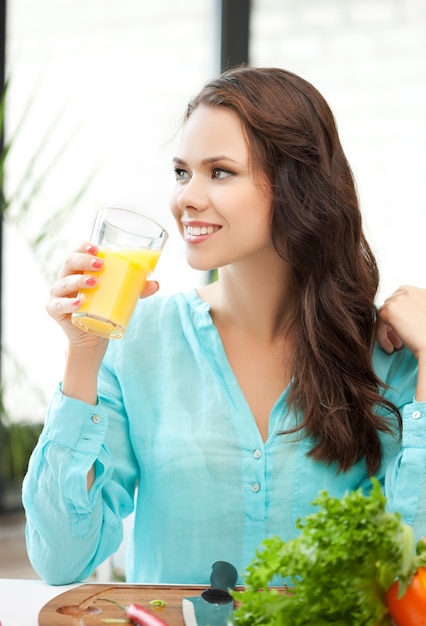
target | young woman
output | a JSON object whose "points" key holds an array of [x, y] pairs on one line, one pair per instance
{"points": [[224, 411]]}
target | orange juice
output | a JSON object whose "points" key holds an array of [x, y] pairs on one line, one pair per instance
{"points": [[107, 308]]}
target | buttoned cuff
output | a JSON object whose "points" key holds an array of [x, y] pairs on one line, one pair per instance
{"points": [[75, 424], [414, 425]]}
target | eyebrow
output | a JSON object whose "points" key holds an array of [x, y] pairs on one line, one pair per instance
{"points": [[207, 161]]}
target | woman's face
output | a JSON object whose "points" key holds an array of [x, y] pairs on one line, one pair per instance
{"points": [[222, 208]]}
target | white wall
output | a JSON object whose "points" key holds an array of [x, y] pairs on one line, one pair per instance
{"points": [[121, 74], [124, 72], [367, 57]]}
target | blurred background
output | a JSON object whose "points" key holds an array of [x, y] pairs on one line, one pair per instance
{"points": [[94, 99]]}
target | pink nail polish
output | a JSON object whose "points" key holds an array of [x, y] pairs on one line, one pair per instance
{"points": [[97, 263], [91, 281], [92, 249]]}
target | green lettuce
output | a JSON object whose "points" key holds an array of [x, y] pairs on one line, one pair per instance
{"points": [[347, 555]]}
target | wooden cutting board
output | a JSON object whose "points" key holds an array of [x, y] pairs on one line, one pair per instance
{"points": [[88, 605]]}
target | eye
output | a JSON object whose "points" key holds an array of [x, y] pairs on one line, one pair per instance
{"points": [[180, 174], [219, 173]]}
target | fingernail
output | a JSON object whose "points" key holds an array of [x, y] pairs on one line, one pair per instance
{"points": [[92, 249], [77, 301], [97, 263], [91, 281]]}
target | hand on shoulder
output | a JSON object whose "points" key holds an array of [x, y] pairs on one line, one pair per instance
{"points": [[402, 320]]}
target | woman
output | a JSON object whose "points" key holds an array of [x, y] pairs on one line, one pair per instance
{"points": [[224, 411]]}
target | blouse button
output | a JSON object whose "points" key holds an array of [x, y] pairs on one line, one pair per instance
{"points": [[255, 487], [96, 418], [257, 454], [415, 415]]}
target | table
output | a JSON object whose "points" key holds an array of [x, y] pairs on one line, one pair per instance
{"points": [[35, 603], [21, 600]]}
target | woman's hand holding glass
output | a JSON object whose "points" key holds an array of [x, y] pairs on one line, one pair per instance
{"points": [[63, 297], [85, 350]]}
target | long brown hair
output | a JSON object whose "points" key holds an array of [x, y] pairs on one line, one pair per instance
{"points": [[317, 229]]}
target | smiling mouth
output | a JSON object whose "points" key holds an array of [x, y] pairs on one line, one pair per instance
{"points": [[197, 231]]}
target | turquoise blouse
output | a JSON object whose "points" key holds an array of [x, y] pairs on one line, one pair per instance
{"points": [[172, 437]]}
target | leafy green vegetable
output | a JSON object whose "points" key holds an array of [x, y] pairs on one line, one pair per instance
{"points": [[347, 555]]}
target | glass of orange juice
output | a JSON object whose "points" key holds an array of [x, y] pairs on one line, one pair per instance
{"points": [[130, 244]]}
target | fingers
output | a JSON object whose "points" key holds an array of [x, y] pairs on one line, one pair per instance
{"points": [[78, 272], [404, 312], [150, 288], [394, 339], [387, 338], [402, 304], [83, 259]]}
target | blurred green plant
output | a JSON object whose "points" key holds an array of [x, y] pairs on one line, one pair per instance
{"points": [[18, 438], [17, 441], [212, 276], [16, 206]]}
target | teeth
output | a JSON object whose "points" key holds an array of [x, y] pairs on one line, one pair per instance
{"points": [[196, 231]]}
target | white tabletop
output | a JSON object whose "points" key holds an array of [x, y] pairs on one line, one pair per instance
{"points": [[22, 600]]}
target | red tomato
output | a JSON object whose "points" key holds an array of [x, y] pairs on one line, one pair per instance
{"points": [[410, 610]]}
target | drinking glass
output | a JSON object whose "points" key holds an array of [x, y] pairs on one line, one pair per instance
{"points": [[130, 244]]}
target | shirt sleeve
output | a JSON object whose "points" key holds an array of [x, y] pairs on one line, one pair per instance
{"points": [[405, 478], [405, 463], [70, 530]]}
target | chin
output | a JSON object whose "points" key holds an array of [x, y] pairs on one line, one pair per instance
{"points": [[200, 266]]}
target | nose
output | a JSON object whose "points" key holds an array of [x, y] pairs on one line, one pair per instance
{"points": [[191, 195]]}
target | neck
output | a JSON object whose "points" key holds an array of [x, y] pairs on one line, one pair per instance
{"points": [[258, 298]]}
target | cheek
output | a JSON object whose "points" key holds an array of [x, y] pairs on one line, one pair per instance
{"points": [[174, 209], [261, 211]]}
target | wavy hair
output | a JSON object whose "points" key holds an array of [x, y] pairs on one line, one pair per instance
{"points": [[317, 229]]}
